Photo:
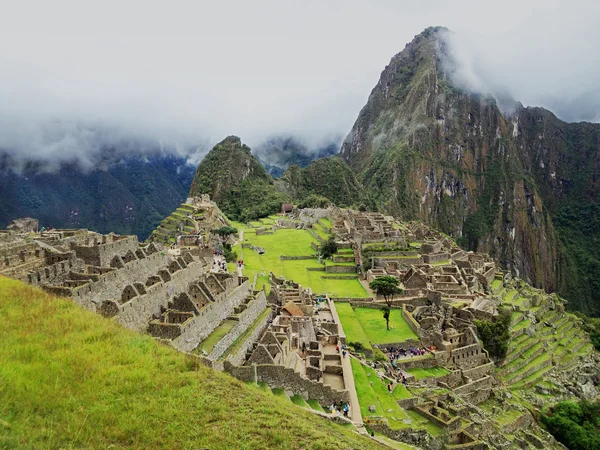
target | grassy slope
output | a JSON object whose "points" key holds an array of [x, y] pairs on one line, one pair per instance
{"points": [[70, 378]]}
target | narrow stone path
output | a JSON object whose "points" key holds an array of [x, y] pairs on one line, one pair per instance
{"points": [[349, 384]]}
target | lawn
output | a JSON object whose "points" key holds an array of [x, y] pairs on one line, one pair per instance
{"points": [[291, 242], [426, 373], [73, 379], [373, 324], [352, 327]]}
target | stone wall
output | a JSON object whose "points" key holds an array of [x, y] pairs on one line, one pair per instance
{"points": [[138, 312], [102, 254], [418, 438], [239, 357], [336, 319], [196, 330], [246, 319], [291, 382], [110, 285], [340, 269], [412, 323]]}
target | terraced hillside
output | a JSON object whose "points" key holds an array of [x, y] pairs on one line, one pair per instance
{"points": [[196, 218], [544, 336], [72, 379]]}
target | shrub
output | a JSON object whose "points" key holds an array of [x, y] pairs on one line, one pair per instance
{"points": [[314, 201], [495, 334], [329, 247], [378, 355]]}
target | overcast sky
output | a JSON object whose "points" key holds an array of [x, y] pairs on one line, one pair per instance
{"points": [[195, 72]]}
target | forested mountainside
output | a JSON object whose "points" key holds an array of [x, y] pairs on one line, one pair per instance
{"points": [[238, 182], [130, 196], [521, 185]]}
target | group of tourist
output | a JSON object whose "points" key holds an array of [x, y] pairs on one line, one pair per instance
{"points": [[219, 265], [340, 408], [344, 352], [394, 354]]}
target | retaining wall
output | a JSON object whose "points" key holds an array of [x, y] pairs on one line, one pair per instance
{"points": [[246, 319], [291, 382]]}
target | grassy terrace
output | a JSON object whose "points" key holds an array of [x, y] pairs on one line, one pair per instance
{"points": [[371, 390], [367, 325], [373, 323], [73, 379], [292, 242], [419, 374], [213, 338], [242, 338]]}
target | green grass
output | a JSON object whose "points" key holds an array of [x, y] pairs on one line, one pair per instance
{"points": [[291, 242], [213, 338], [373, 324], [73, 379], [298, 400], [315, 405], [371, 390], [351, 325], [426, 373]]}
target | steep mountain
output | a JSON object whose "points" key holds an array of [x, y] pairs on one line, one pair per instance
{"points": [[237, 181], [127, 196], [508, 184], [329, 177], [280, 152]]}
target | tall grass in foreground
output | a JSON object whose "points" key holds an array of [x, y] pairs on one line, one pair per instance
{"points": [[72, 379]]}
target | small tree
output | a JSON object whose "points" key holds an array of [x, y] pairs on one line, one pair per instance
{"points": [[225, 231], [387, 286], [329, 248]]}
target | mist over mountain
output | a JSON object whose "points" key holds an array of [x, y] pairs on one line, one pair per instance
{"points": [[280, 152]]}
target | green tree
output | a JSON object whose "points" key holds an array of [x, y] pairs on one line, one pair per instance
{"points": [[495, 334], [329, 247], [576, 425], [225, 231], [387, 286]]}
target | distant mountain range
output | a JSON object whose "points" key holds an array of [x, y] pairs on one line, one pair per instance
{"points": [[128, 196]]}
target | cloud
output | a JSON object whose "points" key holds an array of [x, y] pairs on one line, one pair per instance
{"points": [[79, 78]]}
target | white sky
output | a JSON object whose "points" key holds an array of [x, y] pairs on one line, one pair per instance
{"points": [[197, 71]]}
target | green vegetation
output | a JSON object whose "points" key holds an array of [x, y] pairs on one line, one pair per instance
{"points": [[576, 425], [226, 231], [72, 379], [314, 201], [328, 178], [388, 287], [495, 334], [237, 181], [364, 325], [371, 390], [329, 248], [371, 321], [427, 373], [292, 242], [592, 326]]}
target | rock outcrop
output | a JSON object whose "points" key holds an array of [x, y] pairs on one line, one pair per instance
{"points": [[426, 149]]}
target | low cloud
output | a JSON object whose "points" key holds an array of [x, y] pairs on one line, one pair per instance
{"points": [[81, 81]]}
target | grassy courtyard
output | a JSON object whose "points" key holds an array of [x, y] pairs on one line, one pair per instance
{"points": [[292, 242], [367, 325]]}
